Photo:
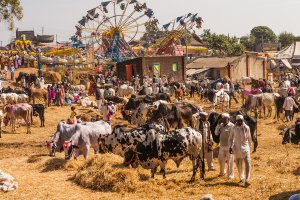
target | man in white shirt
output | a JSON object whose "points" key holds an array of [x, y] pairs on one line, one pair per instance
{"points": [[226, 87], [288, 107], [223, 130], [239, 145]]}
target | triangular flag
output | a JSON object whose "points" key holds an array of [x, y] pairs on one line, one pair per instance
{"points": [[179, 18], [105, 3], [166, 26], [194, 18], [190, 14], [92, 12], [82, 21], [119, 1]]}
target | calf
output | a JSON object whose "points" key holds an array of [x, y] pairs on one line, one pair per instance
{"points": [[86, 135], [175, 145], [39, 110], [17, 111]]}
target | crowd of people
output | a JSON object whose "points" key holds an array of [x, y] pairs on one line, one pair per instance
{"points": [[234, 146], [235, 139]]}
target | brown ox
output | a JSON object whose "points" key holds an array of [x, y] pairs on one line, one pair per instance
{"points": [[18, 111], [34, 93]]}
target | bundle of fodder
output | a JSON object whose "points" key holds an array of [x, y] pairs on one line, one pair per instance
{"points": [[105, 173]]}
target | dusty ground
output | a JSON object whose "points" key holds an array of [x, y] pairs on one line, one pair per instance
{"points": [[275, 169]]}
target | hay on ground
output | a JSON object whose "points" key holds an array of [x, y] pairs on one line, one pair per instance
{"points": [[104, 173]]}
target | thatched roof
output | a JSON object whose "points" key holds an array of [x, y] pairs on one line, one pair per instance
{"points": [[211, 62]]}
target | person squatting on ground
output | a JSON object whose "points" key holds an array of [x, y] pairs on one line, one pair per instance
{"points": [[288, 106], [204, 127], [239, 145], [223, 130]]}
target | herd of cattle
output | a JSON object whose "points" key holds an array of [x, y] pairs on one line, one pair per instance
{"points": [[166, 130], [153, 143]]}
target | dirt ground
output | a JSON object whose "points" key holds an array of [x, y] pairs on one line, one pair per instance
{"points": [[275, 168]]}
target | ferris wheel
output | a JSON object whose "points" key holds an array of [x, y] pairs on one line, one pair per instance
{"points": [[110, 27], [175, 30]]}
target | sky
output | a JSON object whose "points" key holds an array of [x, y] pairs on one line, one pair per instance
{"points": [[233, 17]]}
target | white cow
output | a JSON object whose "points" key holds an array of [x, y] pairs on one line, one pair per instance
{"points": [[9, 98], [125, 90], [86, 136], [63, 133], [86, 102], [23, 98], [222, 98], [80, 88]]}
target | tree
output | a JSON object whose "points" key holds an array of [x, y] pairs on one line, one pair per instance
{"points": [[9, 11], [286, 39], [263, 33], [222, 44], [248, 41]]}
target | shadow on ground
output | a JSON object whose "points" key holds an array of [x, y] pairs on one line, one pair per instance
{"points": [[284, 195], [35, 158], [297, 172], [54, 164]]}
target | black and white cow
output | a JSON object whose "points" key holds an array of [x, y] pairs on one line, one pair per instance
{"points": [[175, 145], [122, 138], [86, 136]]}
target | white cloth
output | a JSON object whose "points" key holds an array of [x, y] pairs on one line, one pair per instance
{"points": [[99, 102], [289, 103], [7, 182], [149, 91], [227, 87], [224, 133], [240, 140], [225, 156], [287, 84]]}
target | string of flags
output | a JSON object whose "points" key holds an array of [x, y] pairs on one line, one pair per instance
{"points": [[79, 66]]}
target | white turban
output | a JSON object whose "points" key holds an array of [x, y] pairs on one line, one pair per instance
{"points": [[240, 117], [203, 113], [225, 115]]}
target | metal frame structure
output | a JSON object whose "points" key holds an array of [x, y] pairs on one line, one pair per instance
{"points": [[111, 26]]}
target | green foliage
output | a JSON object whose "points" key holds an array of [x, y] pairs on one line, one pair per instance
{"points": [[263, 33], [248, 41], [222, 44], [286, 39], [9, 11]]}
